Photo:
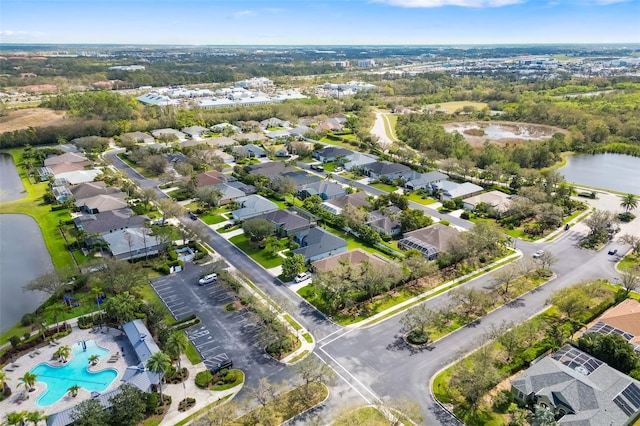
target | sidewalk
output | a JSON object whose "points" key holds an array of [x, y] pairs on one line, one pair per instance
{"points": [[397, 309]]}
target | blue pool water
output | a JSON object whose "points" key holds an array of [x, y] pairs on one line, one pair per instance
{"points": [[75, 372]]}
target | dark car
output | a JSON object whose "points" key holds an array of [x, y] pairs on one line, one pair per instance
{"points": [[223, 365], [613, 251], [193, 216]]}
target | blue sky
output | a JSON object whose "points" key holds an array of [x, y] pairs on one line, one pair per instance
{"points": [[319, 22]]}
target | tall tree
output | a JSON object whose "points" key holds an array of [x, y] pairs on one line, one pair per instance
{"points": [[170, 209], [35, 417], [257, 229], [629, 202], [159, 363], [122, 307], [177, 344], [128, 406], [28, 380], [148, 195], [90, 413]]}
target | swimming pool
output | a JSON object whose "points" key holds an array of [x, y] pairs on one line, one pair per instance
{"points": [[75, 372]]}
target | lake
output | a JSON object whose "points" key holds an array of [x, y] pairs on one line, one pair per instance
{"points": [[23, 255], [11, 187], [617, 172]]}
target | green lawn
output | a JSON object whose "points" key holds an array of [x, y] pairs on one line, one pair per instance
{"points": [[628, 263], [329, 167], [134, 166], [332, 140], [370, 416], [417, 198], [353, 242], [390, 121], [572, 216], [384, 187], [211, 218], [259, 255]]}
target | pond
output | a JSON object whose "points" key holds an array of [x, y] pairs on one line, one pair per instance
{"points": [[23, 255], [11, 187], [617, 172]]}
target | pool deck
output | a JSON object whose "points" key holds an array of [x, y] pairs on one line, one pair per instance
{"points": [[106, 339], [110, 340]]}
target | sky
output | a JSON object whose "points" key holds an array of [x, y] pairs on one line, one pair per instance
{"points": [[319, 22]]}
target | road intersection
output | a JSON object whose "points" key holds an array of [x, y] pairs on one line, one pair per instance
{"points": [[374, 363]]}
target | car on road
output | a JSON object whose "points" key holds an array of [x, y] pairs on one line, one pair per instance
{"points": [[302, 277], [317, 167], [193, 216], [208, 279], [538, 254], [613, 251], [223, 365]]}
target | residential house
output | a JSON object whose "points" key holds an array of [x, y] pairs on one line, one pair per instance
{"points": [[45, 173], [316, 243], [450, 190], [109, 221], [132, 243], [91, 189], [498, 200], [325, 189], [250, 137], [67, 157], [357, 160], [277, 134], [295, 147], [287, 222], [579, 389], [252, 206], [301, 178], [269, 169], [249, 150], [102, 203], [246, 189], [430, 241], [168, 133], [192, 142], [385, 221], [356, 199], [623, 319], [175, 157], [354, 258], [210, 178], [138, 137], [280, 151], [274, 122], [67, 147], [228, 193], [299, 131], [226, 158], [424, 180], [221, 127], [386, 169], [79, 176], [195, 131], [331, 153], [221, 142], [57, 169], [332, 124]]}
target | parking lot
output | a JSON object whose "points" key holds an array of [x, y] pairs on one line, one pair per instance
{"points": [[221, 335]]}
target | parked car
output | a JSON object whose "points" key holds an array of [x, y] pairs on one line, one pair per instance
{"points": [[613, 251], [317, 167], [223, 365], [538, 254], [208, 279], [338, 169], [193, 216], [302, 277]]}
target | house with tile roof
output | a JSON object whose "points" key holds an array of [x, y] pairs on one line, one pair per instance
{"points": [[316, 243], [102, 203], [355, 258], [430, 241], [579, 389]]}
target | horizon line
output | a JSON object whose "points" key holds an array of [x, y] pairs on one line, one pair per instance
{"points": [[632, 43]]}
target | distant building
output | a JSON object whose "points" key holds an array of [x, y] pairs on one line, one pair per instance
{"points": [[341, 64], [366, 63], [127, 68], [254, 83]]}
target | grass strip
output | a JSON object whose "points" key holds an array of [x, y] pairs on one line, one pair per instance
{"points": [[202, 411], [298, 357]]}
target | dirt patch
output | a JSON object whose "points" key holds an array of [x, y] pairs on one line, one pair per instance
{"points": [[502, 133], [30, 117]]}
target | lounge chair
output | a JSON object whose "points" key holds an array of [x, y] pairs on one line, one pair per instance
{"points": [[8, 369], [37, 351], [31, 354]]}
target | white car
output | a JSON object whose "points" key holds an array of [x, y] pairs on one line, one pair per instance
{"points": [[538, 254], [302, 277], [208, 279]]}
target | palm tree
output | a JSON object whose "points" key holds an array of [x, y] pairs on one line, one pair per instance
{"points": [[177, 344], [28, 380], [73, 390], [3, 380], [93, 359], [159, 363], [35, 417], [16, 418], [629, 202], [63, 352], [97, 291]]}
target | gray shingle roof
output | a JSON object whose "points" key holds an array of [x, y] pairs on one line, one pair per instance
{"points": [[317, 241]]}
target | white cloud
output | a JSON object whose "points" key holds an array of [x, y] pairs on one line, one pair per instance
{"points": [[19, 33], [461, 3], [607, 2], [243, 13]]}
